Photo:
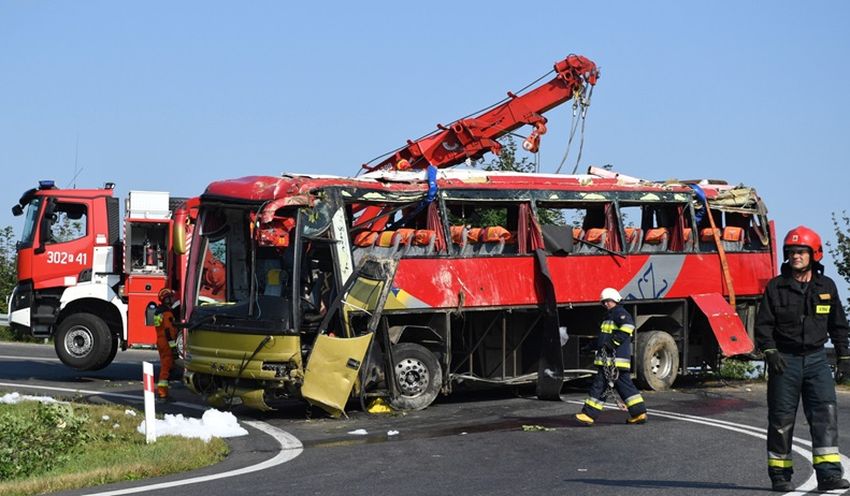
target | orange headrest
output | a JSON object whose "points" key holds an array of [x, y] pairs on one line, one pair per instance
{"points": [[656, 236]]}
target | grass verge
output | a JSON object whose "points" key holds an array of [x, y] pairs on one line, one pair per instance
{"points": [[55, 447]]}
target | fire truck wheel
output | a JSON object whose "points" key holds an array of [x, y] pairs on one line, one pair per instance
{"points": [[657, 360], [419, 377], [83, 341]]}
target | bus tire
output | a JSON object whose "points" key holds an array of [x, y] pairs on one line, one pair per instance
{"points": [[83, 341], [418, 377], [657, 360]]}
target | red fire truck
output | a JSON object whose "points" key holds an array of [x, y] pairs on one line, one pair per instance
{"points": [[80, 283], [410, 279]]}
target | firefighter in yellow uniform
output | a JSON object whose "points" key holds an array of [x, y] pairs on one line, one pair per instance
{"points": [[166, 340], [613, 355]]}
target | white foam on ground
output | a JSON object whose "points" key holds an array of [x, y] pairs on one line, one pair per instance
{"points": [[212, 424]]}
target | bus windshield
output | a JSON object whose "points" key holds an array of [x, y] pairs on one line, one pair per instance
{"points": [[241, 280]]}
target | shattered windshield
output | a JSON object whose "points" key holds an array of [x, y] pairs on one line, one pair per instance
{"points": [[244, 270]]}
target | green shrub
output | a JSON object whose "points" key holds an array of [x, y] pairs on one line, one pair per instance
{"points": [[737, 369], [39, 441]]}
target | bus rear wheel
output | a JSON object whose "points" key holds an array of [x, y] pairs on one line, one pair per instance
{"points": [[657, 360], [83, 341], [418, 377]]}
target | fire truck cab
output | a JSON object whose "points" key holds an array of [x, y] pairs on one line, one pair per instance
{"points": [[78, 282]]}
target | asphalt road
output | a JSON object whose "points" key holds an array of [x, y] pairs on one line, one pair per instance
{"points": [[699, 440]]}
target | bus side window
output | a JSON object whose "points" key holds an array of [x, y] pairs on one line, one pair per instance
{"points": [[484, 229], [394, 230], [591, 226]]}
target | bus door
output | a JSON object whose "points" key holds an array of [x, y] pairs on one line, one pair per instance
{"points": [[345, 336]]}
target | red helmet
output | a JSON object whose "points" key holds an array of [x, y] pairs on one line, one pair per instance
{"points": [[165, 293], [803, 236]]}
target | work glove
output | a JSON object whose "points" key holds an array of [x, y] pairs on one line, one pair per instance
{"points": [[590, 347], [843, 372], [775, 361]]}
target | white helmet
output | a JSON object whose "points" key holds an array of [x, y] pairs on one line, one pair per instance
{"points": [[610, 294]]}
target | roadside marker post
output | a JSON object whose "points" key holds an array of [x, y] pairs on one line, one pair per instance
{"points": [[150, 404]]}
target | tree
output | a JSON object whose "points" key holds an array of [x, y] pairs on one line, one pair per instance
{"points": [[8, 265], [841, 251], [507, 161]]}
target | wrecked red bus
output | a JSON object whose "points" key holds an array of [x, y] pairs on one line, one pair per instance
{"points": [[403, 284]]}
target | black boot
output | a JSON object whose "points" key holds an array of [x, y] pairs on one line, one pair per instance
{"points": [[833, 483], [781, 485]]}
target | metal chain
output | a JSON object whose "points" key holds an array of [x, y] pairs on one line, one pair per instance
{"points": [[612, 373]]}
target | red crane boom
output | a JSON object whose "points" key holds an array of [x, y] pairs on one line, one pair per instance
{"points": [[472, 137]]}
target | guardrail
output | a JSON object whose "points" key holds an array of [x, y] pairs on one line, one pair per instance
{"points": [[4, 320]]}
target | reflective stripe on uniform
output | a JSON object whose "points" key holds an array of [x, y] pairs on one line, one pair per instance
{"points": [[162, 384], [775, 462], [594, 403], [172, 344], [832, 458], [627, 328], [621, 363], [607, 326], [634, 400]]}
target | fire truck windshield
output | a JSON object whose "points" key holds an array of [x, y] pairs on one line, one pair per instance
{"points": [[237, 277], [30, 222]]}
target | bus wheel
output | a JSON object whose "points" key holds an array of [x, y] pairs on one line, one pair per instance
{"points": [[657, 360], [419, 377], [83, 342]]}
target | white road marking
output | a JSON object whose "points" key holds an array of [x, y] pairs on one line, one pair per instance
{"points": [[290, 446], [27, 359], [807, 486]]}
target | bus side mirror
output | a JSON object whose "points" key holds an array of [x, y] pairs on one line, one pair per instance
{"points": [[178, 238], [17, 210]]}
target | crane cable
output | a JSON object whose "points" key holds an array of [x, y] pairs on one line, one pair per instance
{"points": [[580, 106]]}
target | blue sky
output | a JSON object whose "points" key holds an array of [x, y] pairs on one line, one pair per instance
{"points": [[173, 95]]}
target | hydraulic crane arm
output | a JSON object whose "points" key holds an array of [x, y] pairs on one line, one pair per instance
{"points": [[472, 137]]}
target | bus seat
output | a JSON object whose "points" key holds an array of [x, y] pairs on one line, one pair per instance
{"points": [[363, 243], [733, 238], [493, 240], [706, 239], [473, 239], [578, 234], [422, 243], [634, 239], [656, 240], [403, 239], [386, 245], [688, 235], [594, 237], [459, 239]]}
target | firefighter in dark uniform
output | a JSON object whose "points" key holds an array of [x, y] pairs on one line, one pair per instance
{"points": [[799, 310], [614, 354], [166, 340]]}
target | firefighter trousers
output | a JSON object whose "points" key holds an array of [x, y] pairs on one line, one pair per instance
{"points": [[810, 378], [598, 393], [165, 347]]}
